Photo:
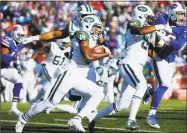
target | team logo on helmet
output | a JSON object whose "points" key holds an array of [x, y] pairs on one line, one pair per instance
{"points": [[142, 9], [173, 6], [15, 28], [89, 20]]}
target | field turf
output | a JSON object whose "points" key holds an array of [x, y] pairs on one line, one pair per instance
{"points": [[171, 116]]}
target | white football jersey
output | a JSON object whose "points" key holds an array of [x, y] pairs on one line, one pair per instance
{"points": [[136, 48], [77, 56], [56, 62]]}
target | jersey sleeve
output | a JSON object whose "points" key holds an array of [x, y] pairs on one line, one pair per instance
{"points": [[5, 42], [180, 40], [81, 36], [161, 18], [72, 28], [133, 23]]}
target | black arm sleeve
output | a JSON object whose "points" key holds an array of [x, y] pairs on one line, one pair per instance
{"points": [[65, 33]]}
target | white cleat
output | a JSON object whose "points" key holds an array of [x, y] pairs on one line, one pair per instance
{"points": [[20, 124], [75, 124], [151, 121], [14, 110]]}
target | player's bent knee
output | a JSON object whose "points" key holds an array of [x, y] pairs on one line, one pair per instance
{"points": [[17, 78], [141, 89]]}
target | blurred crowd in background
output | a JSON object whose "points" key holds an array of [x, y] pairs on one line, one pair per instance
{"points": [[43, 16]]}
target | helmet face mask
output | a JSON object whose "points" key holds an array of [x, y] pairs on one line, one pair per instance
{"points": [[18, 33], [93, 25], [177, 13], [96, 31], [63, 43]]}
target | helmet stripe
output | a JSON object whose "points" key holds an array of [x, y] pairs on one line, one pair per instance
{"points": [[183, 6], [86, 8], [23, 28], [90, 8]]}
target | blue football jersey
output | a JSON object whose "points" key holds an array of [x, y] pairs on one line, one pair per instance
{"points": [[9, 43], [177, 38]]}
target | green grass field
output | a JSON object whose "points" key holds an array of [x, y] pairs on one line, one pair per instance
{"points": [[171, 116]]}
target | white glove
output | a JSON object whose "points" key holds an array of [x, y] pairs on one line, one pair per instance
{"points": [[30, 39], [107, 50], [149, 85], [163, 27], [23, 57]]}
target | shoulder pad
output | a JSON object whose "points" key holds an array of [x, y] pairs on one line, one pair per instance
{"points": [[161, 18], [134, 22], [81, 35], [5, 41], [72, 28]]}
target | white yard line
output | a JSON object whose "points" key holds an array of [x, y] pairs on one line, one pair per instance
{"points": [[61, 125], [101, 118], [60, 120]]}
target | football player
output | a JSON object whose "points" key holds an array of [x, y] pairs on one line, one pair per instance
{"points": [[10, 47], [131, 67], [105, 71], [81, 42], [170, 44]]}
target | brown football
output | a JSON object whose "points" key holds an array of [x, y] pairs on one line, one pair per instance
{"points": [[98, 49]]}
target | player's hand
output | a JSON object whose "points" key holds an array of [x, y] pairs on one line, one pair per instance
{"points": [[163, 27], [107, 50], [149, 85], [23, 57], [166, 39], [30, 39]]}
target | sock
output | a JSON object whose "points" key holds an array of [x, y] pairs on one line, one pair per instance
{"points": [[39, 107], [91, 104], [16, 92], [135, 104], [152, 112], [108, 110], [157, 97]]}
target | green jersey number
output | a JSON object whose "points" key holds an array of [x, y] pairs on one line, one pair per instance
{"points": [[58, 60], [82, 36]]}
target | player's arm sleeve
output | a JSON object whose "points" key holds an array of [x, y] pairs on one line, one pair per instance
{"points": [[178, 43], [81, 36], [160, 19], [136, 28], [65, 33], [7, 58]]}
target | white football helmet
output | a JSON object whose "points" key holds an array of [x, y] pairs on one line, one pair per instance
{"points": [[63, 43], [176, 9], [83, 11], [143, 14], [93, 25], [18, 33]]}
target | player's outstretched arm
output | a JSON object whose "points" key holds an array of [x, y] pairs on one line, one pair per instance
{"points": [[48, 36], [149, 29]]}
